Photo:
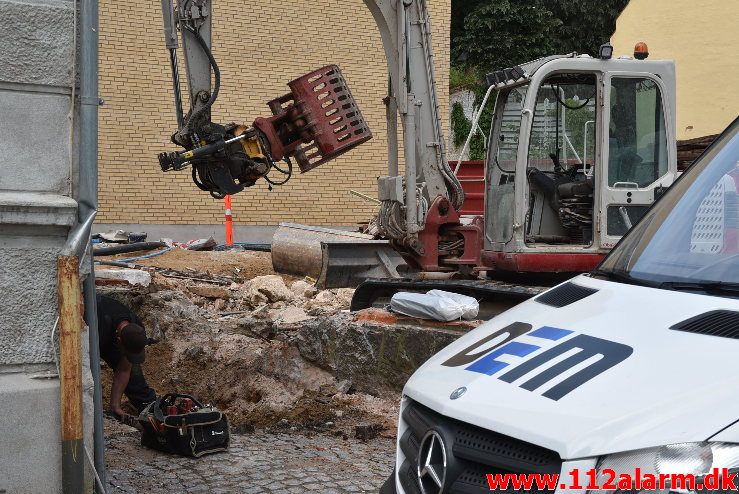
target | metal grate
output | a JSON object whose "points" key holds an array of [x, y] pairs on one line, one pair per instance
{"points": [[472, 452], [565, 295], [722, 323], [708, 228]]}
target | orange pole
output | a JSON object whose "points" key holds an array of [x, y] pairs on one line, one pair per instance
{"points": [[229, 221]]}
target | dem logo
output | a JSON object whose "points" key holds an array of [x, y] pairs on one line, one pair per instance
{"points": [[592, 356]]}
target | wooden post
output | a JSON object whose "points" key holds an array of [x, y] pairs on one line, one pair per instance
{"points": [[70, 373]]}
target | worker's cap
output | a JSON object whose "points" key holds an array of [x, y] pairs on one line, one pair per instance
{"points": [[134, 340]]}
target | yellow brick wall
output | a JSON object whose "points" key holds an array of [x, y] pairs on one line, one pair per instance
{"points": [[260, 45]]}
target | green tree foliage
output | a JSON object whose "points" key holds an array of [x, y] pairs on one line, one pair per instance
{"points": [[488, 35], [501, 33], [586, 24]]}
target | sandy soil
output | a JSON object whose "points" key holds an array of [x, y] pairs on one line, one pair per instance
{"points": [[240, 266]]}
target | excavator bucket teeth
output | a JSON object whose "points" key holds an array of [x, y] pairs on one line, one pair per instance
{"points": [[334, 258]]}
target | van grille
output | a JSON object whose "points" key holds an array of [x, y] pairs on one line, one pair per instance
{"points": [[472, 452]]}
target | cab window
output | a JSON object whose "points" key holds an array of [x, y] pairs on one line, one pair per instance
{"points": [[637, 139], [509, 130]]}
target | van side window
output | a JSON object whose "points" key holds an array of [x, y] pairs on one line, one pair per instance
{"points": [[637, 139]]}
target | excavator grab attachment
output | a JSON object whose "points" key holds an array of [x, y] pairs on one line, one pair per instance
{"points": [[317, 121]]}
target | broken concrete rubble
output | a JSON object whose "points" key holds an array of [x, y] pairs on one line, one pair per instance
{"points": [[293, 315], [122, 277], [272, 287], [302, 288], [210, 291]]}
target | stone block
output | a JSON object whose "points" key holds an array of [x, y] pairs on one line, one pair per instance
{"points": [[31, 435], [36, 158], [37, 41], [29, 308]]}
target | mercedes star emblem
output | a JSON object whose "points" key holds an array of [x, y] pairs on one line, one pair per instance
{"points": [[457, 393], [432, 464]]}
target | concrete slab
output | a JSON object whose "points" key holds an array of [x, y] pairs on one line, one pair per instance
{"points": [[31, 435], [35, 208], [36, 159], [122, 277]]}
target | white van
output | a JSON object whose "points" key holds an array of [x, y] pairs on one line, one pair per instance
{"points": [[632, 369]]}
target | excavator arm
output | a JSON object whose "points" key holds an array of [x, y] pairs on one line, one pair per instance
{"points": [[414, 205], [315, 122], [405, 29], [319, 120]]}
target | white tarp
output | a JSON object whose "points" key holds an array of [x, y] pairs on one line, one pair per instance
{"points": [[436, 304]]}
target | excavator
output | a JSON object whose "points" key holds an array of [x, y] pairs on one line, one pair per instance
{"points": [[579, 148]]}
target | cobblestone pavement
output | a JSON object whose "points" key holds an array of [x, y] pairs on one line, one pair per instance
{"points": [[262, 462]]}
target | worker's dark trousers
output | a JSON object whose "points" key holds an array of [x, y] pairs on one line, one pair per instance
{"points": [[138, 391]]}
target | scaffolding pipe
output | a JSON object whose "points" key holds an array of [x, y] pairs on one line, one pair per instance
{"points": [[97, 397]]}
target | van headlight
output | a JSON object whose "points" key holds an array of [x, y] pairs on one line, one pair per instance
{"points": [[683, 468]]}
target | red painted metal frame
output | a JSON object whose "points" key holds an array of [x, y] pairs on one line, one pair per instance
{"points": [[473, 234], [442, 219], [541, 262], [316, 122], [472, 176]]}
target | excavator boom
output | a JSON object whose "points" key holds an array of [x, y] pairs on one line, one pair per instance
{"points": [[405, 200], [405, 28]]}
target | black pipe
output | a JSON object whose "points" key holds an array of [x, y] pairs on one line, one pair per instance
{"points": [[123, 248]]}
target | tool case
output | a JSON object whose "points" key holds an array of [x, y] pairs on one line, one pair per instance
{"points": [[180, 424]]}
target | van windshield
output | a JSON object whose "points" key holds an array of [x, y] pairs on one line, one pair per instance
{"points": [[690, 238]]}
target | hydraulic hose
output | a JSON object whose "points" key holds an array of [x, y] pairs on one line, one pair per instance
{"points": [[217, 76], [288, 172]]}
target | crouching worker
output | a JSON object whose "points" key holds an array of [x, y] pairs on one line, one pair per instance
{"points": [[123, 343]]}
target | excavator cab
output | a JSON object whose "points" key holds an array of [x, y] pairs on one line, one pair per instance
{"points": [[578, 150]]}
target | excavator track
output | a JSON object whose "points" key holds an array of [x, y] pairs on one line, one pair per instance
{"points": [[494, 296]]}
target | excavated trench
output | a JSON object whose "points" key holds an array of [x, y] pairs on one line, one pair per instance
{"points": [[276, 354]]}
